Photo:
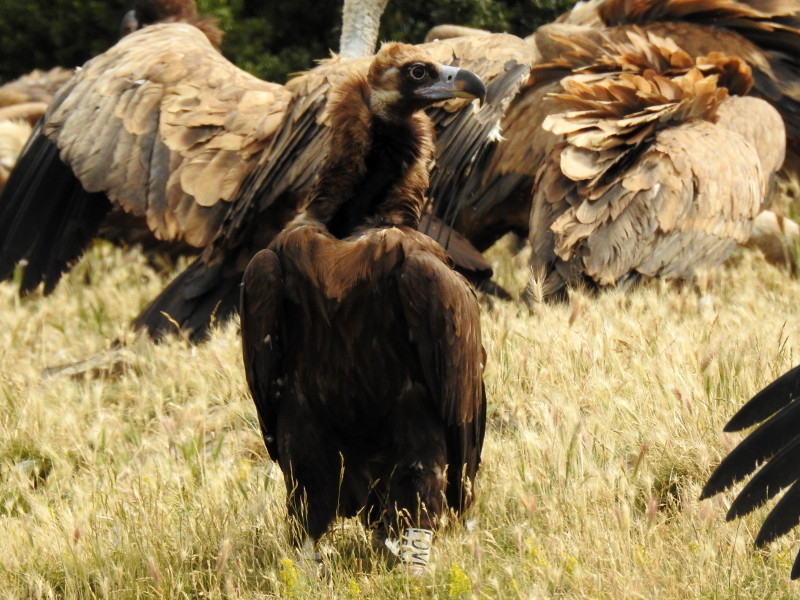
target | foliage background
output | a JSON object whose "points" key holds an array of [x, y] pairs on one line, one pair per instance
{"points": [[269, 39]]}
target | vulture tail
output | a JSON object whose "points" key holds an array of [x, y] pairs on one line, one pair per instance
{"points": [[46, 217], [202, 295]]}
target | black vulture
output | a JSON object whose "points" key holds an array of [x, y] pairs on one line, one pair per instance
{"points": [[361, 345]]}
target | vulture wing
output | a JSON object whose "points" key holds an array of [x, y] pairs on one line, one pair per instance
{"points": [[443, 320], [27, 97], [270, 197], [777, 441], [161, 124], [261, 307]]}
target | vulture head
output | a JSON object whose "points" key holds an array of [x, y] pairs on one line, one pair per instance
{"points": [[376, 170], [149, 12], [403, 80]]}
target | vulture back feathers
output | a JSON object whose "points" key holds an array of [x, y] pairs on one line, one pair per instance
{"points": [[637, 184], [361, 345]]}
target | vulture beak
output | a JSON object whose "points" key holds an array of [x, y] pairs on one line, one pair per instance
{"points": [[454, 83], [129, 23]]}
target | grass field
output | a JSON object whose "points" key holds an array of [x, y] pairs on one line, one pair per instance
{"points": [[146, 477]]}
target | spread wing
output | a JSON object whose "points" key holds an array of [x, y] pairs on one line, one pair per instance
{"points": [[162, 125], [777, 441], [166, 127], [261, 312], [465, 136], [444, 324]]}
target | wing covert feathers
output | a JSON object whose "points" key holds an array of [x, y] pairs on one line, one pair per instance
{"points": [[185, 125], [444, 324]]}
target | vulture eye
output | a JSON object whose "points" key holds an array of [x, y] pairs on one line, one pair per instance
{"points": [[417, 72]]}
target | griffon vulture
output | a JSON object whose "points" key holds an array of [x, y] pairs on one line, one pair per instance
{"points": [[607, 163], [361, 345], [775, 444], [764, 33], [164, 128]]}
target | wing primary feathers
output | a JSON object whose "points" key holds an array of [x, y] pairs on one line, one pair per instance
{"points": [[47, 217], [201, 295], [776, 441], [775, 396]]}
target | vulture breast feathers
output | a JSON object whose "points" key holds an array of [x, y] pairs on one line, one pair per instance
{"points": [[361, 345], [774, 446]]}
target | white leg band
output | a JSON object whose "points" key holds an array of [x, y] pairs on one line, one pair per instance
{"points": [[416, 547]]}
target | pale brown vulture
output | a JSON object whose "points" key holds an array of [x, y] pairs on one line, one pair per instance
{"points": [[203, 154], [764, 33], [361, 345], [607, 163], [775, 446], [650, 174]]}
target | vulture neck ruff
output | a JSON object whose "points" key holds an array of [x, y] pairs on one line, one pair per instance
{"points": [[375, 172]]}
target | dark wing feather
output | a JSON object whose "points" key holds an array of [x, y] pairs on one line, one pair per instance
{"points": [[261, 311], [444, 325], [776, 441], [771, 399], [49, 230], [465, 137]]}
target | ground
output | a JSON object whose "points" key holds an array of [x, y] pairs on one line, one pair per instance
{"points": [[143, 473]]}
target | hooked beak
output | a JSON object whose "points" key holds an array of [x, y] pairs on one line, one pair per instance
{"points": [[454, 83]]}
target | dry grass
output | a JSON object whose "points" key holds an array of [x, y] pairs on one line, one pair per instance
{"points": [[149, 479]]}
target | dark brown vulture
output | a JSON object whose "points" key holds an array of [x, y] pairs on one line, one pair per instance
{"points": [[205, 155], [361, 345], [775, 446]]}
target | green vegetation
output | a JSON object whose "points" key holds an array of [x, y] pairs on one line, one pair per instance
{"points": [[269, 39], [145, 476]]}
